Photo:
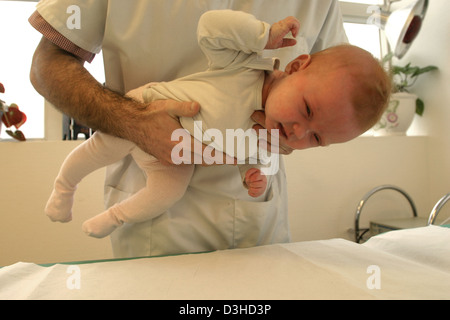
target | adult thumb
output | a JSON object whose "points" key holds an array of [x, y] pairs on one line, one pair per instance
{"points": [[184, 109]]}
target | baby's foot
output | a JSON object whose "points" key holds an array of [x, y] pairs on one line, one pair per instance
{"points": [[101, 225], [256, 182], [59, 206]]}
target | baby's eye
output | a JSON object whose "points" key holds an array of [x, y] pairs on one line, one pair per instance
{"points": [[308, 111], [317, 138]]}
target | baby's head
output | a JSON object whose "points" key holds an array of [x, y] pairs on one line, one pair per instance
{"points": [[329, 97], [366, 81]]}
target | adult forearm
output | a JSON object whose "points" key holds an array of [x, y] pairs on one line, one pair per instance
{"points": [[62, 79]]}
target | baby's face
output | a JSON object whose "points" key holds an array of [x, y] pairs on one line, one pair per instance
{"points": [[311, 111]]}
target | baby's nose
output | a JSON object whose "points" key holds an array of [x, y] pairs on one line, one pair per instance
{"points": [[299, 132]]}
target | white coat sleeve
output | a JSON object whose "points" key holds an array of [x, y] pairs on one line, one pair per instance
{"points": [[227, 36], [81, 22]]}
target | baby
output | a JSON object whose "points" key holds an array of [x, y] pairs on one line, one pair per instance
{"points": [[329, 97]]}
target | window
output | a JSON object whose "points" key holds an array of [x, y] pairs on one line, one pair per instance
{"points": [[355, 14], [16, 52], [364, 36]]}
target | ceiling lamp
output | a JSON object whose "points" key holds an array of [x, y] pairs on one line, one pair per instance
{"points": [[401, 24]]}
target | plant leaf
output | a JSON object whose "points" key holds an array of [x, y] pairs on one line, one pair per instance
{"points": [[398, 70], [412, 70], [18, 135], [420, 107], [387, 57], [425, 70]]}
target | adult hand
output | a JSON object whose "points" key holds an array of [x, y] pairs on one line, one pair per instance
{"points": [[260, 118], [158, 121]]}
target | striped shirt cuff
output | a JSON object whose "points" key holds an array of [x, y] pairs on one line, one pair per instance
{"points": [[39, 23]]}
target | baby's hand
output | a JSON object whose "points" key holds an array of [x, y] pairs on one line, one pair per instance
{"points": [[256, 182], [278, 32]]}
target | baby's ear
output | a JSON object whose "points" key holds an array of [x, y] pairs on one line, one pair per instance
{"points": [[299, 63]]}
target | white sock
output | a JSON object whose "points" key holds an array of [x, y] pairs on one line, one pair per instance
{"points": [[59, 206], [102, 224]]}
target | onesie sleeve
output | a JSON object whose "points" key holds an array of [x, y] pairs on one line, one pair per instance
{"points": [[227, 36]]}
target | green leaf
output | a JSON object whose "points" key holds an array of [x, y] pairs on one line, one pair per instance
{"points": [[420, 107], [412, 70], [425, 70], [387, 57], [398, 70]]}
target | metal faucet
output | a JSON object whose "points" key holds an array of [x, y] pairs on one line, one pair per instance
{"points": [[359, 233], [437, 208]]}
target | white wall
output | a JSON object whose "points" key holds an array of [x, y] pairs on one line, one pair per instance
{"points": [[433, 47], [325, 186], [26, 234]]}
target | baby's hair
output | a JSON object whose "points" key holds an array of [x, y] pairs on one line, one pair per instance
{"points": [[370, 83]]}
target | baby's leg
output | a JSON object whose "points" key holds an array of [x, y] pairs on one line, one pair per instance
{"points": [[256, 182], [165, 186], [98, 151]]}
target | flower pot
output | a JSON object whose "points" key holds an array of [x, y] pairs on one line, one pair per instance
{"points": [[399, 115]]}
